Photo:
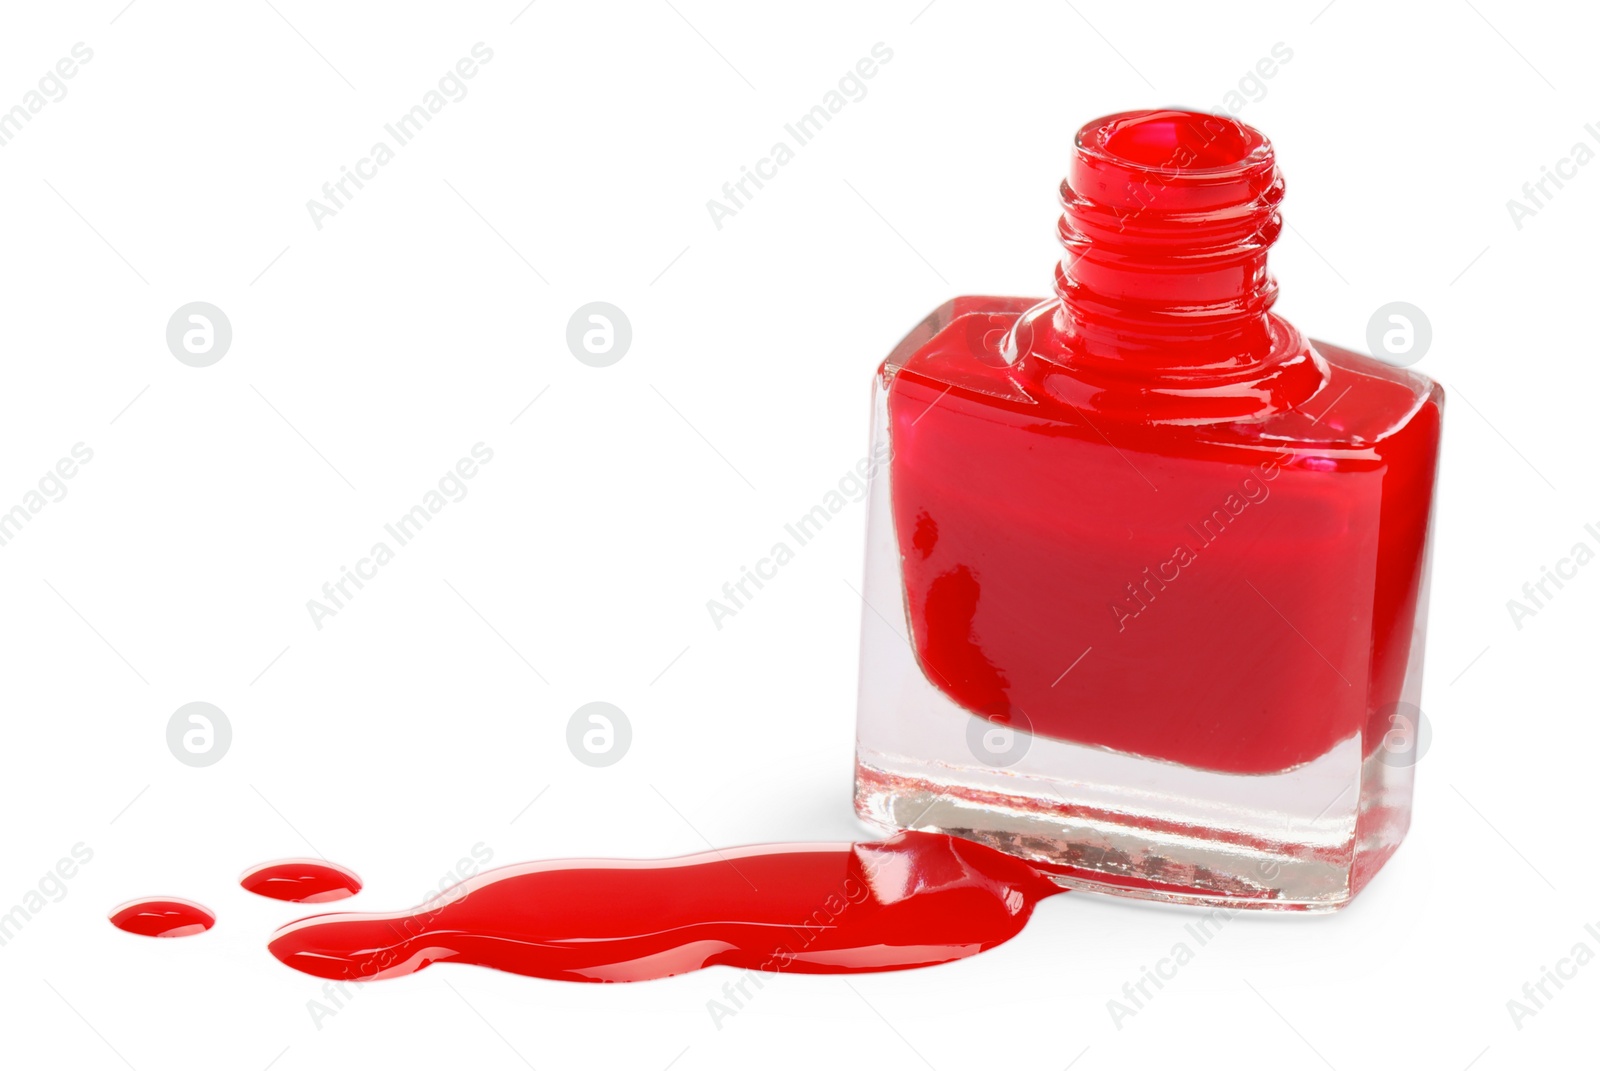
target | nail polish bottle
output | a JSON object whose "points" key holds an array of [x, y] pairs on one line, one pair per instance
{"points": [[1147, 569]]}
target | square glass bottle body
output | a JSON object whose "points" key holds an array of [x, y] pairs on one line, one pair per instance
{"points": [[1170, 661]]}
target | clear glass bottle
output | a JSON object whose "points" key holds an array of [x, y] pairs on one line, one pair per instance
{"points": [[1147, 569]]}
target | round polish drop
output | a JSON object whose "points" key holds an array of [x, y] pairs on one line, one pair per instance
{"points": [[301, 881], [163, 916]]}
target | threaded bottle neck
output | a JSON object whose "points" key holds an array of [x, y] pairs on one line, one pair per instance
{"points": [[1167, 218]]}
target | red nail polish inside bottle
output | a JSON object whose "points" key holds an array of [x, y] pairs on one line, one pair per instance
{"points": [[1147, 569]]}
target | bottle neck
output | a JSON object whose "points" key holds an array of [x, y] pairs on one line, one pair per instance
{"points": [[1167, 219]]}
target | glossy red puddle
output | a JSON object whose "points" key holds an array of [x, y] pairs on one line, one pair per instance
{"points": [[163, 916], [911, 901], [303, 881]]}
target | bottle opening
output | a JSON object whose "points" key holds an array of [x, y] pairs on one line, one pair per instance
{"points": [[1174, 141]]}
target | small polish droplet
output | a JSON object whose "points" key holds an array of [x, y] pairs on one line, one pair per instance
{"points": [[301, 881], [163, 916]]}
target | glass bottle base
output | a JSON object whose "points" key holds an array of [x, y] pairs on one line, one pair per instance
{"points": [[1154, 845]]}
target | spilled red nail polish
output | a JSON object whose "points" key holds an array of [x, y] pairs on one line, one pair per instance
{"points": [[163, 916], [302, 881], [915, 900]]}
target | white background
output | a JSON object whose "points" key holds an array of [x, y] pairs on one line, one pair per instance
{"points": [[423, 318]]}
